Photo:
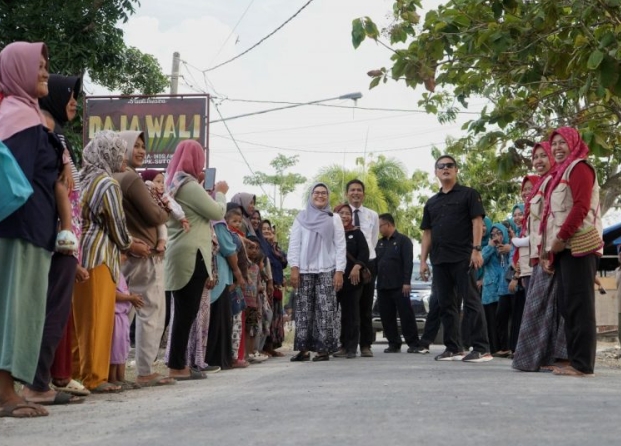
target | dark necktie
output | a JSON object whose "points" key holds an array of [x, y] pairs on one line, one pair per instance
{"points": [[357, 218]]}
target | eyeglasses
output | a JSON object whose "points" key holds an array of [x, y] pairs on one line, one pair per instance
{"points": [[320, 194], [441, 166]]}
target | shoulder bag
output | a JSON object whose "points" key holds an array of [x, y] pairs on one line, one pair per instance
{"points": [[16, 188]]}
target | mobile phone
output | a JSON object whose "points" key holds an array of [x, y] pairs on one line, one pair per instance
{"points": [[210, 178]]}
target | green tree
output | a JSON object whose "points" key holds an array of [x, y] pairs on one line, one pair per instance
{"points": [[540, 64], [284, 183], [388, 188], [83, 36]]}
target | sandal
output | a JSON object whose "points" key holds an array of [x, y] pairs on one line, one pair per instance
{"points": [[60, 399], [73, 387], [301, 357], [66, 241], [8, 411], [107, 388], [321, 357], [127, 385], [194, 374]]}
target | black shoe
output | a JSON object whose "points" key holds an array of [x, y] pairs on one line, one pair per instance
{"points": [[351, 355], [301, 357], [393, 350], [321, 357], [418, 349]]}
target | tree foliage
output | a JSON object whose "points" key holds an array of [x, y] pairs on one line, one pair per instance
{"points": [[540, 65], [284, 183], [388, 188], [83, 36]]}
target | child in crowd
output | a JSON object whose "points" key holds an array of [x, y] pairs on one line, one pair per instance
{"points": [[120, 336], [234, 219], [252, 290], [155, 182], [66, 241]]}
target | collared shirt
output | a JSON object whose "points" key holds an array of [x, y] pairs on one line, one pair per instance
{"points": [[394, 261], [449, 217], [369, 225]]}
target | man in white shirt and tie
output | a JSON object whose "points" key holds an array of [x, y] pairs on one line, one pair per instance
{"points": [[368, 222]]}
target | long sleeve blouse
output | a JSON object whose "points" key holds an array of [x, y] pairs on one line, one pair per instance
{"points": [[326, 261]]}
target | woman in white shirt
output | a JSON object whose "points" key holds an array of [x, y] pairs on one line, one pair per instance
{"points": [[317, 256]]}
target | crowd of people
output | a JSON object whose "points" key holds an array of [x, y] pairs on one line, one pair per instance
{"points": [[99, 245]]}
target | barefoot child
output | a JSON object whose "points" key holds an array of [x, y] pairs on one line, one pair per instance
{"points": [[155, 182], [120, 335]]}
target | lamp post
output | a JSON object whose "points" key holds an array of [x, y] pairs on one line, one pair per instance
{"points": [[353, 96]]}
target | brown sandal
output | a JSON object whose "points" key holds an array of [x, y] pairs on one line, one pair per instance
{"points": [[570, 371]]}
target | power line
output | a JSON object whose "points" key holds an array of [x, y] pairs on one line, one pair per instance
{"points": [[239, 150], [262, 40], [333, 151], [400, 110], [232, 31]]}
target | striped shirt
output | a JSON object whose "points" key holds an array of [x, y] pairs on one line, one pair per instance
{"points": [[104, 231]]}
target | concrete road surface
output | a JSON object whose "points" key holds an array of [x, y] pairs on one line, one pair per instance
{"points": [[391, 399]]}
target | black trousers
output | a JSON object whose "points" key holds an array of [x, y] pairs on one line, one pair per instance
{"points": [[456, 282], [349, 299], [390, 303], [490, 311], [187, 302], [219, 340], [433, 321], [366, 307], [576, 284], [59, 291], [504, 318]]}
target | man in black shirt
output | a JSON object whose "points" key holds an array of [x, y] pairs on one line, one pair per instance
{"points": [[452, 229], [394, 271]]}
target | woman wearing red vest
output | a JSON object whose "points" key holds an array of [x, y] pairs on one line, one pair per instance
{"points": [[571, 244]]}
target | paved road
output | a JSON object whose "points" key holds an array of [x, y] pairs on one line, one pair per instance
{"points": [[392, 399]]}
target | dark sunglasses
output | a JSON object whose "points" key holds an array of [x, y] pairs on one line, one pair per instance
{"points": [[441, 166]]}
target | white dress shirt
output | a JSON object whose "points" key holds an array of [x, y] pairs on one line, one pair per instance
{"points": [[369, 225], [297, 254]]}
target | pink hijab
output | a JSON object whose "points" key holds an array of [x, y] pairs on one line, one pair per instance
{"points": [[577, 150], [19, 74], [187, 164]]}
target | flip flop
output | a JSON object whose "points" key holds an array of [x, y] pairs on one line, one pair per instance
{"points": [[194, 374], [60, 399], [8, 411], [73, 387], [106, 388], [158, 380], [127, 385]]}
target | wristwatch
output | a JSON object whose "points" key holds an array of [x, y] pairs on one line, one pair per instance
{"points": [[477, 247]]}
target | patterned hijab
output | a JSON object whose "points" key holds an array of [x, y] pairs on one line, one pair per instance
{"points": [[130, 137], [102, 155], [19, 76], [337, 209], [578, 150], [319, 223], [186, 165]]}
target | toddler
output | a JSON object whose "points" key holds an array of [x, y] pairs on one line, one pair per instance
{"points": [[155, 182], [120, 336]]}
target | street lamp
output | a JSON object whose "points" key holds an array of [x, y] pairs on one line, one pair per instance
{"points": [[353, 96]]}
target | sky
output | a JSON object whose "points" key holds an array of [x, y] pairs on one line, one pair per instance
{"points": [[311, 58]]}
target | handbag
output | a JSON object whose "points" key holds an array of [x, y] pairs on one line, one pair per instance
{"points": [[16, 188], [365, 272], [586, 241]]}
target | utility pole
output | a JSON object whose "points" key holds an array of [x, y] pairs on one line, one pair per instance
{"points": [[174, 77]]}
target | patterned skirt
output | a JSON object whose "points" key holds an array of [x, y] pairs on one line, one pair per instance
{"points": [[317, 316], [542, 333]]}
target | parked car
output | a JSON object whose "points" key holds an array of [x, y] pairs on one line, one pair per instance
{"points": [[419, 299]]}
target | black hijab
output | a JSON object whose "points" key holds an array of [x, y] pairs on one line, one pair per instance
{"points": [[61, 88]]}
